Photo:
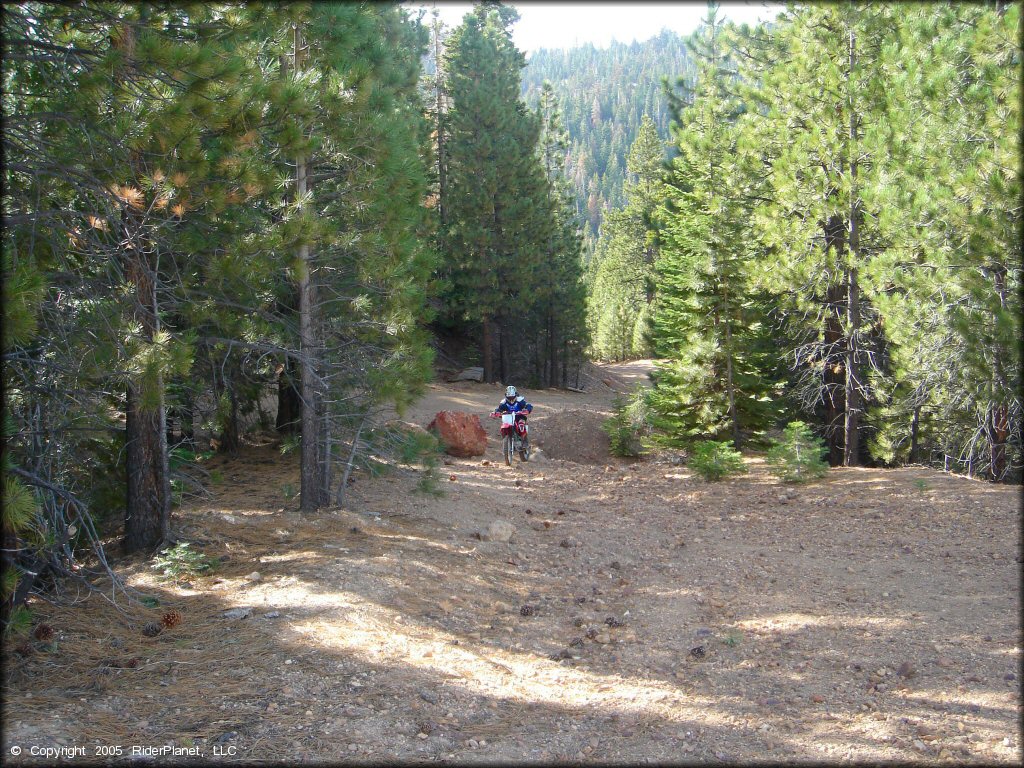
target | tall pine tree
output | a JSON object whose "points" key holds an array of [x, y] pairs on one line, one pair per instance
{"points": [[709, 327], [498, 221]]}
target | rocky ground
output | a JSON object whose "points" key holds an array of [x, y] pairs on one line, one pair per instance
{"points": [[635, 613]]}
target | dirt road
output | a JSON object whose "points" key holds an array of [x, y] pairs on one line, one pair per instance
{"points": [[636, 614]]}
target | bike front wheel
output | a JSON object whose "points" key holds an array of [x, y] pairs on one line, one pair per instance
{"points": [[524, 449], [507, 448]]}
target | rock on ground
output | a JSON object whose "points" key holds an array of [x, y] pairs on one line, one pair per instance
{"points": [[498, 530], [462, 433], [468, 374]]}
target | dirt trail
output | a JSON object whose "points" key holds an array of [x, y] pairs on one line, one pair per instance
{"points": [[873, 615]]}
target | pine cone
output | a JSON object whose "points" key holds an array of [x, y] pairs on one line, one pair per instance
{"points": [[527, 610], [698, 652], [591, 633], [611, 621], [152, 629], [43, 633], [171, 619], [24, 649]]}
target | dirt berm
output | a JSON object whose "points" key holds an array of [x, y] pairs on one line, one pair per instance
{"points": [[572, 436]]}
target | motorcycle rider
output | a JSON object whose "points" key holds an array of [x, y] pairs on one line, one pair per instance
{"points": [[513, 403], [516, 404]]}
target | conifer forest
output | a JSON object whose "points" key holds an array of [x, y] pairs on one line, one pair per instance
{"points": [[231, 220]]}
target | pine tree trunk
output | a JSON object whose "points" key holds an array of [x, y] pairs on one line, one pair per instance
{"points": [[999, 421], [186, 414], [442, 160], [552, 367], [730, 387], [230, 433], [834, 391], [310, 466], [310, 422], [852, 426], [852, 423], [504, 349], [147, 463], [915, 426], [486, 350], [148, 510], [999, 430], [289, 403]]}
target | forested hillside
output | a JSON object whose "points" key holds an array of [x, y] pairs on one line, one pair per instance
{"points": [[604, 94]]}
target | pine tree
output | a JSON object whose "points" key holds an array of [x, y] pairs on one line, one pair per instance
{"points": [[497, 204], [709, 326], [350, 113], [950, 294], [623, 270], [560, 294], [819, 97], [115, 178]]}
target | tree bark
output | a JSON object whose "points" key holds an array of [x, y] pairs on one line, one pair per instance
{"points": [[999, 416], [148, 509], [289, 402], [552, 367], [834, 397], [504, 350], [310, 472], [999, 430], [486, 350], [147, 463], [852, 425], [230, 439], [442, 160], [851, 428], [915, 426], [730, 387]]}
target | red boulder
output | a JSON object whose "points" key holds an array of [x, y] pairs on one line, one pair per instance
{"points": [[462, 433]]}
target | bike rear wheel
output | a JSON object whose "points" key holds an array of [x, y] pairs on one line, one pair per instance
{"points": [[507, 449]]}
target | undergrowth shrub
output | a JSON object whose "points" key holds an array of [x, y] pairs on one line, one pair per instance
{"points": [[424, 449], [181, 561], [714, 460], [799, 456], [630, 425]]}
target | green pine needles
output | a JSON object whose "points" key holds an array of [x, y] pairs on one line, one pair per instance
{"points": [[181, 561], [715, 460], [629, 427], [799, 455]]}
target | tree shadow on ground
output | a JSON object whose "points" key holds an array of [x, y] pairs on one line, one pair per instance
{"points": [[407, 638]]}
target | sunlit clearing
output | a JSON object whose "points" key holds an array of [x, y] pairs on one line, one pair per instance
{"points": [[791, 622], [384, 637]]}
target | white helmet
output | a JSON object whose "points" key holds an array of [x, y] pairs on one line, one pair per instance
{"points": [[510, 391]]}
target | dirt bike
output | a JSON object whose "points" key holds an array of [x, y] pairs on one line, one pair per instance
{"points": [[515, 435]]}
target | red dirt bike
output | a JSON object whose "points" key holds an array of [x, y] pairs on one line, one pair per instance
{"points": [[515, 435]]}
